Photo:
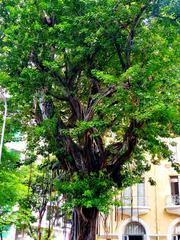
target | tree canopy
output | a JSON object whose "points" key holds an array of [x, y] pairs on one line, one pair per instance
{"points": [[94, 83]]}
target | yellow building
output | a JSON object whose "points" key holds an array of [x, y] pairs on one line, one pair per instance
{"points": [[148, 212]]}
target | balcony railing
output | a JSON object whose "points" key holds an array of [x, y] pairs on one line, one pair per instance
{"points": [[136, 205], [173, 204], [173, 200]]}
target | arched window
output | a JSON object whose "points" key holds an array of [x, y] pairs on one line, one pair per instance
{"points": [[134, 231], [134, 228]]}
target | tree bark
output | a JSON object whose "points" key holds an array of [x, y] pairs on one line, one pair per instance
{"points": [[84, 223], [39, 229]]}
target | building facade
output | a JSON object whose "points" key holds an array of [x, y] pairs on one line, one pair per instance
{"points": [[147, 212]]}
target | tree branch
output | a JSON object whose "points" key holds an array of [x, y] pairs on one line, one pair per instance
{"points": [[119, 52], [126, 147], [93, 102], [39, 65], [58, 97], [93, 150], [72, 149], [77, 110], [132, 35], [73, 74]]}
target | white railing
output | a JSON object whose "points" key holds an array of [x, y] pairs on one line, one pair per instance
{"points": [[173, 200]]}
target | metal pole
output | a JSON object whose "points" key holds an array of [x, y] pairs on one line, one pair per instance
{"points": [[3, 127]]}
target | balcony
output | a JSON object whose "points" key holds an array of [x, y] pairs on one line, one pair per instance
{"points": [[134, 206], [173, 204]]}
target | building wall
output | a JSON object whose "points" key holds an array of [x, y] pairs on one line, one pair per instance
{"points": [[158, 223]]}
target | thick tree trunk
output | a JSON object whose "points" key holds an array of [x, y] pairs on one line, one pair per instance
{"points": [[84, 223]]}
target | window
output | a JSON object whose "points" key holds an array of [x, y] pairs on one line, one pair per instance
{"points": [[174, 184], [127, 196], [141, 194], [134, 231], [173, 144], [134, 195], [134, 228]]}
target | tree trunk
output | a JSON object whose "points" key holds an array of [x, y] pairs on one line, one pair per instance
{"points": [[49, 231], [84, 223], [39, 229]]}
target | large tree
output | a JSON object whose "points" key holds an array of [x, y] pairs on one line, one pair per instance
{"points": [[94, 83]]}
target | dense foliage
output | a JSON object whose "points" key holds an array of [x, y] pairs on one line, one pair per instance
{"points": [[95, 84], [12, 188]]}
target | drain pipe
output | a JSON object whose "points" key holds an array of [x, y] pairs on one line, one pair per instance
{"points": [[156, 207]]}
